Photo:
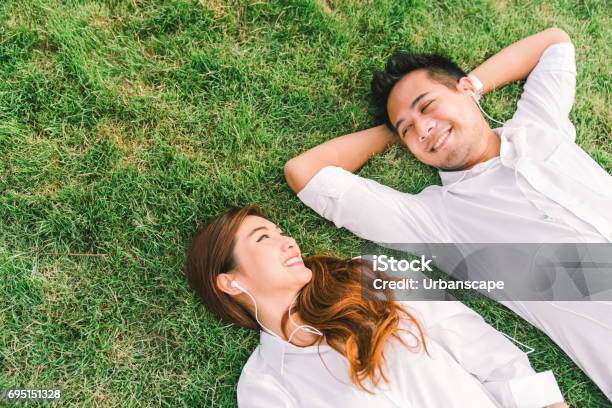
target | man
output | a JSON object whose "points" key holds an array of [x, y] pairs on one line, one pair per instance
{"points": [[525, 182]]}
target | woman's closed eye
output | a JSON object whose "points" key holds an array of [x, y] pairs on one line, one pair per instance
{"points": [[268, 236]]}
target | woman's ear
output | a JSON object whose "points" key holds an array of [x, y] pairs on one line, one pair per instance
{"points": [[224, 283]]}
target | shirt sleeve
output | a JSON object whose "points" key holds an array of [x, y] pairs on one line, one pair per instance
{"points": [[549, 91], [373, 211], [261, 391], [486, 353]]}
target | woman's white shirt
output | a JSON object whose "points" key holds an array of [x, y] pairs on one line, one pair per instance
{"points": [[468, 362]]}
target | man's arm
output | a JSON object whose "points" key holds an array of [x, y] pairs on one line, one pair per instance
{"points": [[349, 152], [516, 61]]}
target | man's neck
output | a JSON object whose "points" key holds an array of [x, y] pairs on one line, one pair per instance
{"points": [[491, 149]]}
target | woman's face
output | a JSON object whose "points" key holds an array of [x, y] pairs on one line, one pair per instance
{"points": [[268, 262]]}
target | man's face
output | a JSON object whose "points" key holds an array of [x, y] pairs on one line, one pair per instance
{"points": [[442, 127]]}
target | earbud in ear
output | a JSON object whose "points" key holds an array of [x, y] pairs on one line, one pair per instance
{"points": [[473, 96], [236, 285]]}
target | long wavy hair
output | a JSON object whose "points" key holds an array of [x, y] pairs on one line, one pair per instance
{"points": [[355, 320]]}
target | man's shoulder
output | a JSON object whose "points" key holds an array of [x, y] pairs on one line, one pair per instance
{"points": [[532, 128]]}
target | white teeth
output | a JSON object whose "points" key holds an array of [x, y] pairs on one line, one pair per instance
{"points": [[441, 140], [292, 261]]}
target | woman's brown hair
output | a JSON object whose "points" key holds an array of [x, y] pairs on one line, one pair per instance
{"points": [[355, 320]]}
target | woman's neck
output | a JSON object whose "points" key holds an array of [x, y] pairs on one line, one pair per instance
{"points": [[271, 313]]}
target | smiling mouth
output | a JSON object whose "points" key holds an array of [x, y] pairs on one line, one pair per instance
{"points": [[294, 260], [441, 141]]}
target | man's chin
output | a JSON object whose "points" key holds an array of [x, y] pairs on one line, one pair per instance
{"points": [[453, 163], [452, 168]]}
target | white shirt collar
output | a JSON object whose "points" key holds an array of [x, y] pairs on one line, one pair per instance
{"points": [[273, 350], [452, 177]]}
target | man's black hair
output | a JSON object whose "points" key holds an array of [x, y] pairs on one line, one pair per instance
{"points": [[438, 67]]}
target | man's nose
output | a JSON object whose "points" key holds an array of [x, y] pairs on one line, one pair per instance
{"points": [[425, 128]]}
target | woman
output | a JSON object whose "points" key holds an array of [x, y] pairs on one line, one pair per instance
{"points": [[325, 343]]}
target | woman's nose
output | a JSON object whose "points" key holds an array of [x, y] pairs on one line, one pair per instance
{"points": [[288, 243]]}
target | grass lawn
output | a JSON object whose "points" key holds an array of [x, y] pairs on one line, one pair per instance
{"points": [[125, 124]]}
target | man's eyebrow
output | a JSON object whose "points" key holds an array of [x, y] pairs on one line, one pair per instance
{"points": [[414, 102], [417, 99]]}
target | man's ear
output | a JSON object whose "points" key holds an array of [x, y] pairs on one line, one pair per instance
{"points": [[224, 283], [465, 85]]}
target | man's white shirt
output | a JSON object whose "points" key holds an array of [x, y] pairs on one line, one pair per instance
{"points": [[543, 188]]}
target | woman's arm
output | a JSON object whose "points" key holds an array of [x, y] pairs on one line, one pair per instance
{"points": [[516, 61]]}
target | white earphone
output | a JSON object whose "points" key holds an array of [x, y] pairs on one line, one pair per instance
{"points": [[305, 327], [482, 110]]}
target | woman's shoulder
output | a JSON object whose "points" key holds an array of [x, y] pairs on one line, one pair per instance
{"points": [[254, 367], [259, 386]]}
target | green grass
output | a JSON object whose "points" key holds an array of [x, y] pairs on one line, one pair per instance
{"points": [[125, 124]]}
